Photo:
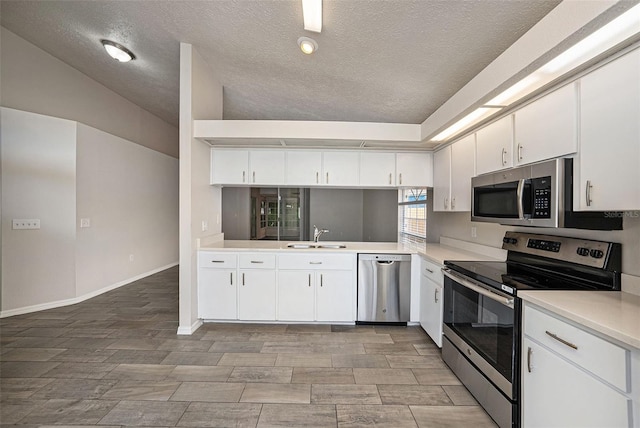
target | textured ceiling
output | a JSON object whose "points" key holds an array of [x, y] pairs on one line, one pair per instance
{"points": [[378, 61]]}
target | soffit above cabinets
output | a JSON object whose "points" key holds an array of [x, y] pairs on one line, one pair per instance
{"points": [[321, 144]]}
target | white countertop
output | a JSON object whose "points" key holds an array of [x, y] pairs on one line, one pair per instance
{"points": [[437, 253], [613, 313]]}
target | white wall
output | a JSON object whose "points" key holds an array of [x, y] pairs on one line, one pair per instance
{"points": [[38, 159], [32, 80], [130, 195]]}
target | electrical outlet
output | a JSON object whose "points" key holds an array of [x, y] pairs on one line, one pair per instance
{"points": [[25, 223], [474, 232], [130, 257], [205, 225], [85, 222]]}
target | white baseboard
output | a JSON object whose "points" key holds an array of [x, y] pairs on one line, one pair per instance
{"points": [[187, 331], [74, 300]]}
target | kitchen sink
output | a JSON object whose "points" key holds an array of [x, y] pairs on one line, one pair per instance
{"points": [[320, 245], [308, 245], [300, 245]]}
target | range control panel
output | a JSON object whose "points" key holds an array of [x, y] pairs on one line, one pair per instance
{"points": [[574, 250]]}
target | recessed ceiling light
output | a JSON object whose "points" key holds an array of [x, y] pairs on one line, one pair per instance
{"points": [[117, 51], [307, 45]]}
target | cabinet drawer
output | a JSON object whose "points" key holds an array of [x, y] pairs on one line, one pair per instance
{"points": [[314, 260], [596, 355], [217, 260], [257, 261], [431, 270]]}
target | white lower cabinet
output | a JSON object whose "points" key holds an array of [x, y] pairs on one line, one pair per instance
{"points": [[257, 295], [335, 296], [217, 286], [431, 300], [559, 386], [296, 295]]}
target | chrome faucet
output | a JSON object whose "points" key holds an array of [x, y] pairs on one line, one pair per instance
{"points": [[317, 232]]}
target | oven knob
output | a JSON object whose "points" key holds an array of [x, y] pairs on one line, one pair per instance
{"points": [[468, 351], [583, 251], [597, 254]]}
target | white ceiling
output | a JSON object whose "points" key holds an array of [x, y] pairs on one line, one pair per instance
{"points": [[378, 61]]}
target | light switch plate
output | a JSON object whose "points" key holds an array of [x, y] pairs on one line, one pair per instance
{"points": [[25, 223], [85, 222]]}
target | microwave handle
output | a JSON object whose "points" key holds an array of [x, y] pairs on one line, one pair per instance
{"points": [[519, 196]]}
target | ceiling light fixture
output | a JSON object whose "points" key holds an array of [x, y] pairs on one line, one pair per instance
{"points": [[307, 45], [117, 51], [472, 118], [312, 15]]}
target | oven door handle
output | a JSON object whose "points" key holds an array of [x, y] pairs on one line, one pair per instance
{"points": [[507, 301], [519, 194]]}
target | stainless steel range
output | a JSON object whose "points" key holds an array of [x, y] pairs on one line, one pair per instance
{"points": [[482, 311]]}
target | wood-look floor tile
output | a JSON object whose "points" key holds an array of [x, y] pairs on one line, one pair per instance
{"points": [[312, 348], [460, 395], [88, 343], [140, 372], [425, 395], [250, 360], [345, 394], [145, 413], [39, 342], [31, 354], [276, 393], [380, 416], [136, 344], [226, 336], [25, 368], [322, 375], [427, 349], [221, 415], [88, 389], [359, 360], [13, 412], [451, 416], [217, 392], [74, 370], [308, 328], [200, 373], [261, 374], [89, 332], [72, 412], [415, 361], [20, 388], [192, 358], [130, 333], [435, 377], [274, 337], [303, 360], [141, 390], [84, 355], [390, 349], [236, 347], [137, 356], [175, 345], [287, 415], [43, 332], [384, 376]]}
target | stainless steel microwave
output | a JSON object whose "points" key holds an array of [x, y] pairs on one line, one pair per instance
{"points": [[539, 195]]}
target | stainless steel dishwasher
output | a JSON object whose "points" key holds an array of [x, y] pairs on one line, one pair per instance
{"points": [[384, 288]]}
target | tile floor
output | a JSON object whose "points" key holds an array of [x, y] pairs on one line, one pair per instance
{"points": [[116, 361]]}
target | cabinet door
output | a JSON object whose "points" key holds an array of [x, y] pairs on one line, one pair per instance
{"points": [[463, 160], [257, 295], [414, 169], [304, 168], [608, 170], [229, 166], [335, 296], [494, 146], [547, 128], [377, 169], [296, 295], [267, 167], [431, 309], [555, 393], [442, 179], [340, 168], [217, 298]]}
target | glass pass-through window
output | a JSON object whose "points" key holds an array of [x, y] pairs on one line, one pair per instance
{"points": [[412, 215]]}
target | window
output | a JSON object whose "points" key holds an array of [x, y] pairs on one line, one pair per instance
{"points": [[412, 215]]}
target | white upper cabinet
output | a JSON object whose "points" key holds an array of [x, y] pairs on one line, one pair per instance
{"points": [[229, 166], [340, 168], [377, 169], [494, 146], [267, 167], [607, 171], [304, 168], [414, 169], [454, 166], [547, 128]]}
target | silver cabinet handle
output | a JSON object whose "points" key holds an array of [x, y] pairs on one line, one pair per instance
{"points": [[327, 178], [519, 151], [243, 279], [309, 280], [446, 203], [244, 173], [529, 352], [231, 278], [561, 340], [428, 270], [588, 193], [257, 261], [504, 154], [217, 261], [400, 177], [321, 282], [390, 175], [453, 202], [254, 176], [315, 263], [435, 295], [317, 177]]}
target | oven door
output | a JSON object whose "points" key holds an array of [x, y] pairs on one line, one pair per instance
{"points": [[483, 324]]}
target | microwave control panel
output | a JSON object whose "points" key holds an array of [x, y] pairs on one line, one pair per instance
{"points": [[541, 197]]}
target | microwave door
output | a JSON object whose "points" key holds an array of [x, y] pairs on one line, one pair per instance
{"points": [[497, 202]]}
